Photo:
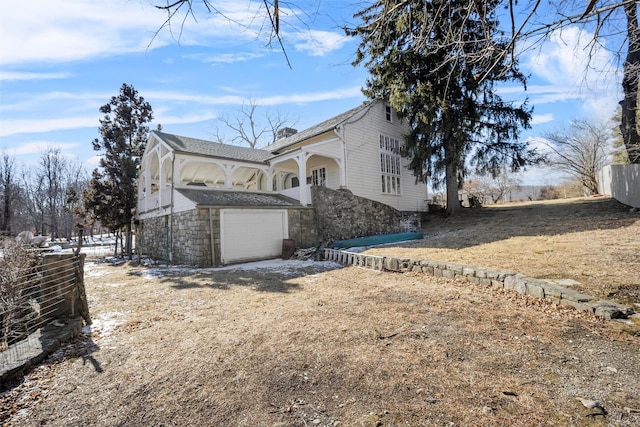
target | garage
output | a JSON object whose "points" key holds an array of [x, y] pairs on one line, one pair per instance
{"points": [[249, 234]]}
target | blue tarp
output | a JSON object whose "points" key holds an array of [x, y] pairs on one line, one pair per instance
{"points": [[376, 240]]}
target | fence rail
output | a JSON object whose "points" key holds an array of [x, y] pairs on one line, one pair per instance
{"points": [[38, 290]]}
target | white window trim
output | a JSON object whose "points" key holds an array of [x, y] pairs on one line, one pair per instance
{"points": [[388, 113], [318, 169], [390, 166]]}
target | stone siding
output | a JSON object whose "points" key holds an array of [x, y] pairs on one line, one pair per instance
{"points": [[302, 227], [154, 237], [187, 233], [341, 215]]}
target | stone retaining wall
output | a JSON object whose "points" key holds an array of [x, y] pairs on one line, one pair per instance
{"points": [[542, 289], [341, 215]]}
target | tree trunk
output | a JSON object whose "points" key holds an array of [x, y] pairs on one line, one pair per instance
{"points": [[129, 241], [629, 104], [451, 177]]}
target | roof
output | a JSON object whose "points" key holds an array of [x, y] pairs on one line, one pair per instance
{"points": [[318, 129], [214, 197], [215, 149]]}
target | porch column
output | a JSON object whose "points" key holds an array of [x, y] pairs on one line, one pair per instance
{"points": [[301, 159], [228, 174]]}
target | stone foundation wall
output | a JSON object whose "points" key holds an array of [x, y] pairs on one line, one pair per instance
{"points": [[302, 227], [153, 237], [341, 215], [182, 238]]}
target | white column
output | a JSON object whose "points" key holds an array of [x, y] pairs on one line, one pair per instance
{"points": [[301, 159], [228, 174]]}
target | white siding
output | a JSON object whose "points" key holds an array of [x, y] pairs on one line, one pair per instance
{"points": [[363, 161]]}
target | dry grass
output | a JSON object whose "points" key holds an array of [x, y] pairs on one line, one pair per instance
{"points": [[595, 241], [355, 347], [312, 348]]}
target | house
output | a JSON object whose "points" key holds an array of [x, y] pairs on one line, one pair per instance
{"points": [[206, 203]]}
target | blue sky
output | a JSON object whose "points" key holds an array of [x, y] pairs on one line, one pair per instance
{"points": [[60, 61]]}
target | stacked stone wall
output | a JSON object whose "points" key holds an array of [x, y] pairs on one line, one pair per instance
{"points": [[154, 237], [538, 288], [182, 238], [302, 227], [341, 215]]}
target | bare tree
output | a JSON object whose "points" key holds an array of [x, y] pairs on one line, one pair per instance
{"points": [[34, 201], [9, 190], [52, 173], [183, 9], [489, 188], [250, 129], [581, 151], [613, 23]]}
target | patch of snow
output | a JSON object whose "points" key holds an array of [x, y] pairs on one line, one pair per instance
{"points": [[287, 267], [104, 323], [91, 272], [290, 267], [152, 273]]}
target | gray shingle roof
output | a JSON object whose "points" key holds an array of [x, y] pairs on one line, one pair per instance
{"points": [[325, 126], [215, 149], [213, 197]]}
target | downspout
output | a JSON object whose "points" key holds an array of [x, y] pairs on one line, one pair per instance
{"points": [[213, 253], [339, 131], [173, 173]]}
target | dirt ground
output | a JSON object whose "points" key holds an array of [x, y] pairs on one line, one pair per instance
{"points": [[309, 344]]}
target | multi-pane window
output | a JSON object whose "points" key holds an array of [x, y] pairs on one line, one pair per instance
{"points": [[390, 165], [319, 176], [387, 113]]}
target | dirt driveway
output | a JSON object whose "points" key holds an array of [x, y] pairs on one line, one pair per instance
{"points": [[295, 344]]}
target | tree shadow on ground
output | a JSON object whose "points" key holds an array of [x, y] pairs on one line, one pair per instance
{"points": [[228, 280], [275, 277], [477, 226]]}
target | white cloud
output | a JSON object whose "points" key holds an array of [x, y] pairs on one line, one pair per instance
{"points": [[303, 98], [541, 118], [224, 58], [80, 110], [168, 119], [573, 70], [17, 75], [319, 43], [46, 31], [92, 162], [38, 147], [43, 31], [37, 125]]}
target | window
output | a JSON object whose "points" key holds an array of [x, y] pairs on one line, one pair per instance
{"points": [[387, 112], [390, 165], [319, 176]]}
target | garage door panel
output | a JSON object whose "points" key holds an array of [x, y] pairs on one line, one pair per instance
{"points": [[252, 233]]}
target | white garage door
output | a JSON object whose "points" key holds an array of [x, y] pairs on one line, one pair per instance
{"points": [[252, 233]]}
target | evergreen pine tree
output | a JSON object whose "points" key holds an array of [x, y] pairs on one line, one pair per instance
{"points": [[438, 62], [124, 129]]}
